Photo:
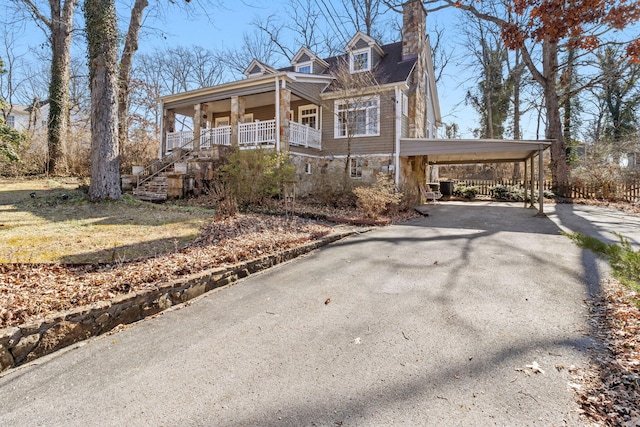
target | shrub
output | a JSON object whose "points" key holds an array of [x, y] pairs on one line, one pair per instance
{"points": [[254, 176], [375, 200], [513, 193], [461, 190]]}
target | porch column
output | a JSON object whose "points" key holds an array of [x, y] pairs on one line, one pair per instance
{"points": [[237, 116], [197, 125], [169, 125], [285, 117]]}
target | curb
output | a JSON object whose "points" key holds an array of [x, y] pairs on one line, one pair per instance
{"points": [[27, 342]]}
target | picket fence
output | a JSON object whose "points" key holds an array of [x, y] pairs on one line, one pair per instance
{"points": [[629, 192]]}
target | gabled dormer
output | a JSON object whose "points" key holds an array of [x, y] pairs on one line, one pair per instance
{"points": [[306, 61], [258, 68], [364, 53]]}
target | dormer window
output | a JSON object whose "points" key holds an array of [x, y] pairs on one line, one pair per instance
{"points": [[307, 62], [304, 68], [360, 60]]}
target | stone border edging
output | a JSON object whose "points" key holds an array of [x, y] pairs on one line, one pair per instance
{"points": [[27, 342]]}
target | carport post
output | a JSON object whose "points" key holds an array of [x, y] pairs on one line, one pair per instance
{"points": [[532, 183], [541, 181], [525, 183]]}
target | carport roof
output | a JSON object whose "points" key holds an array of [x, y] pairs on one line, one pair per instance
{"points": [[465, 151]]}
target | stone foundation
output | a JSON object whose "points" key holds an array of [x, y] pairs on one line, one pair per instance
{"points": [[323, 167]]}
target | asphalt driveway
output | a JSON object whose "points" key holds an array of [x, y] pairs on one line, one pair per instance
{"points": [[443, 320]]}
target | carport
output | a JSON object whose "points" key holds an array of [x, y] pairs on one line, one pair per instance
{"points": [[470, 151]]}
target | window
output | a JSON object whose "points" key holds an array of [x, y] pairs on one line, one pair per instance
{"points": [[248, 118], [221, 121], [304, 68], [307, 168], [11, 121], [360, 60], [308, 115], [355, 168], [358, 117]]}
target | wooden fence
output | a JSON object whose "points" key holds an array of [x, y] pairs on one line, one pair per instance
{"points": [[629, 192]]}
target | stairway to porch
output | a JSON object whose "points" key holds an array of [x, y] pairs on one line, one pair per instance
{"points": [[176, 175]]}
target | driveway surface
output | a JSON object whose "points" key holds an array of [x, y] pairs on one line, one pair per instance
{"points": [[438, 321]]}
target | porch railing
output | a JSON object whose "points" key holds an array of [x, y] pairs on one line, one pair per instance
{"points": [[183, 139], [257, 133], [249, 135], [215, 136], [304, 136]]}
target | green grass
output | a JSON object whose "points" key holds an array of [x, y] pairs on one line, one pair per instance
{"points": [[59, 224], [624, 261]]}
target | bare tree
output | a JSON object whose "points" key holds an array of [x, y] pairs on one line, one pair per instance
{"points": [[353, 94], [56, 20], [126, 62]]}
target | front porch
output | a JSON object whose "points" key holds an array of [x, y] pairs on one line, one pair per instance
{"points": [[281, 110], [260, 133]]}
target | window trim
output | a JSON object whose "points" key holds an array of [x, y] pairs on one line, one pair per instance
{"points": [[352, 63], [357, 167], [303, 65], [338, 126], [309, 107], [217, 120]]}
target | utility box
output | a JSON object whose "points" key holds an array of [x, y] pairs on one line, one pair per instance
{"points": [[446, 188]]}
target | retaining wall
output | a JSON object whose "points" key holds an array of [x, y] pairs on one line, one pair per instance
{"points": [[27, 342]]}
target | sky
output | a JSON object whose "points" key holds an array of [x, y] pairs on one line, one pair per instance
{"points": [[225, 26]]}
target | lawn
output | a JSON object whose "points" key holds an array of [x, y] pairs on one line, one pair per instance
{"points": [[51, 221]]}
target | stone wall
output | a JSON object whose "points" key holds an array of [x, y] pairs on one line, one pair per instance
{"points": [[27, 342], [323, 169]]}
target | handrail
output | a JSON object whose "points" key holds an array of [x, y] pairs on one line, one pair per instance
{"points": [[156, 173]]}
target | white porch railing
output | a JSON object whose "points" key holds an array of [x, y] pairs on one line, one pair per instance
{"points": [[179, 139], [215, 136], [257, 133], [304, 136], [249, 135]]}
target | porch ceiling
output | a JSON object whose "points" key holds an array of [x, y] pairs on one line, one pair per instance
{"points": [[465, 151]]}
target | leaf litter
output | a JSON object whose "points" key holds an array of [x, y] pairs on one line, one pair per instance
{"points": [[32, 291], [609, 389]]}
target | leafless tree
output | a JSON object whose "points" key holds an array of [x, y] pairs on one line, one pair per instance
{"points": [[55, 18]]}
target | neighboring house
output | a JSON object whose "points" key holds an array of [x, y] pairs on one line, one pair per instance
{"points": [[27, 118], [301, 109]]}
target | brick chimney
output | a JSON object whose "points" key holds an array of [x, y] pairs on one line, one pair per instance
{"points": [[414, 29]]}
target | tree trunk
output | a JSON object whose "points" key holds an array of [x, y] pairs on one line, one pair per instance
{"points": [[130, 48], [516, 108], [559, 170], [61, 25], [102, 40]]}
